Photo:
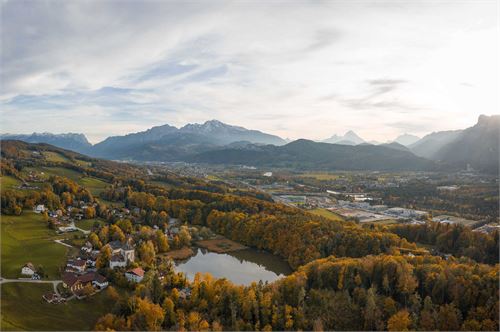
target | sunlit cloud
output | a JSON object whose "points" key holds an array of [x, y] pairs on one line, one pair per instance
{"points": [[296, 69]]}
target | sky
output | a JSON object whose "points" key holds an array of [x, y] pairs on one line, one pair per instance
{"points": [[297, 69]]}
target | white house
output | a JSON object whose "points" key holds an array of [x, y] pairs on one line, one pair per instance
{"points": [[39, 208], [100, 281], [117, 260], [125, 249], [135, 275], [28, 269]]}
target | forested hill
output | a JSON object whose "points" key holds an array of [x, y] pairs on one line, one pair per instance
{"points": [[305, 154], [346, 277]]}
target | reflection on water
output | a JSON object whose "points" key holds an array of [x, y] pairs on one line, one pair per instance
{"points": [[241, 267]]}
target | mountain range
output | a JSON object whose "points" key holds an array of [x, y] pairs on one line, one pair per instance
{"points": [[69, 141], [217, 142]]}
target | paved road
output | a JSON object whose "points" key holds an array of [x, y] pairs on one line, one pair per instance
{"points": [[53, 282], [64, 244], [82, 230]]}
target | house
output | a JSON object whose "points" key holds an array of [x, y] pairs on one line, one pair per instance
{"points": [[126, 249], [100, 282], [76, 283], [117, 260], [39, 208], [78, 265], [173, 222], [135, 275], [28, 269], [87, 248], [185, 293]]}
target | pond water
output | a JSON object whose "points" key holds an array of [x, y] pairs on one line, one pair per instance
{"points": [[241, 267]]}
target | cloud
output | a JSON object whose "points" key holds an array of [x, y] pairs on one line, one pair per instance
{"points": [[297, 69]]}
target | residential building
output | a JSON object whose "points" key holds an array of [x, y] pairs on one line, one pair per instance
{"points": [[78, 265], [28, 269], [117, 260], [135, 275], [39, 208]]}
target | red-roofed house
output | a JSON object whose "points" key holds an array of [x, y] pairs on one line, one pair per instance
{"points": [[135, 275]]}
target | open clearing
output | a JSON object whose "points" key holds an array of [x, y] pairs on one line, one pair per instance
{"points": [[9, 183], [221, 245], [55, 157], [96, 186], [327, 214], [59, 171], [24, 309], [88, 223], [320, 176], [26, 238], [181, 254]]}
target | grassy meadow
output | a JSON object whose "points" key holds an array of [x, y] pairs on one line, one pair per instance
{"points": [[24, 309], [327, 214], [8, 183], [26, 238]]}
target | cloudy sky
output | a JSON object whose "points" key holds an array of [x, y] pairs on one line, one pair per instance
{"points": [[292, 68]]}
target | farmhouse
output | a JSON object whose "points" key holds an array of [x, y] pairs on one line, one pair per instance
{"points": [[135, 275], [76, 283], [28, 269], [78, 265], [39, 208], [185, 293]]}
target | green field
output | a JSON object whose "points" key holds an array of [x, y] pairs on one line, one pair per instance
{"points": [[96, 186], [88, 223], [24, 309], [320, 176], [59, 171], [327, 214], [9, 182], [55, 157], [26, 238]]}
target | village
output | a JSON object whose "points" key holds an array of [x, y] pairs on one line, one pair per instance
{"points": [[80, 277]]}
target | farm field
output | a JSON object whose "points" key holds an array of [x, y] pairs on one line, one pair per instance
{"points": [[24, 309], [320, 176], [327, 214], [96, 186], [26, 238], [8, 182], [59, 171], [55, 157], [88, 223]]}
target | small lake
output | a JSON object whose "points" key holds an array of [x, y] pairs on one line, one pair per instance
{"points": [[241, 267]]}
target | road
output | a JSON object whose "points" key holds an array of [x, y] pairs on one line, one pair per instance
{"points": [[53, 282], [64, 244]]}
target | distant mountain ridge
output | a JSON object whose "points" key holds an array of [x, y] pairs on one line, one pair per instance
{"points": [[306, 154], [476, 146], [176, 142], [217, 142], [70, 141], [349, 138], [406, 139]]}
